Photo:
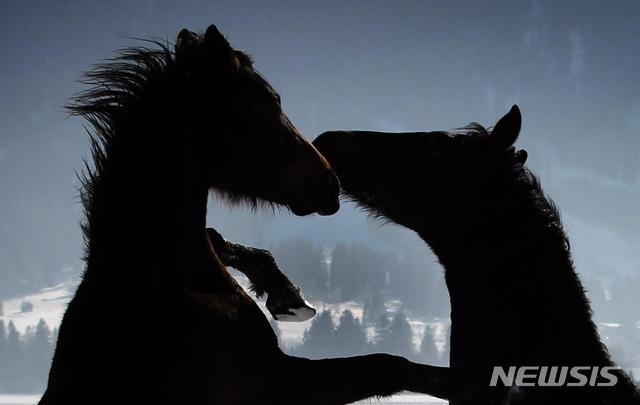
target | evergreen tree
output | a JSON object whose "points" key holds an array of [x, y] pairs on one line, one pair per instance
{"points": [[382, 328], [14, 343], [444, 356], [373, 308], [396, 337], [15, 360], [3, 338], [24, 358], [39, 351], [402, 335], [428, 350], [318, 340], [350, 338], [4, 363]]}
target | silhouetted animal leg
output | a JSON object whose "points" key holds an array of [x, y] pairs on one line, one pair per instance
{"points": [[345, 380], [285, 301]]}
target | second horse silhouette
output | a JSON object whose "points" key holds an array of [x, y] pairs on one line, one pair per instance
{"points": [[516, 299]]}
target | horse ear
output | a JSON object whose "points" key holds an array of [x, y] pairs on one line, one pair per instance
{"points": [[521, 156], [185, 43], [215, 41], [507, 129]]}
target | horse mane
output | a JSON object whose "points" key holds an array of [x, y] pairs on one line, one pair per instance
{"points": [[527, 189], [117, 88], [472, 129], [524, 185]]}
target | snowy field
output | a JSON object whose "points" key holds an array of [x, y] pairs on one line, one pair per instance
{"points": [[403, 399], [18, 399], [406, 399], [50, 303]]}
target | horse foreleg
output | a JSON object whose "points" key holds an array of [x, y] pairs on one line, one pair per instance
{"points": [[350, 379], [284, 300]]}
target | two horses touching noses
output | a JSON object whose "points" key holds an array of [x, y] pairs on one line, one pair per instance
{"points": [[516, 300], [170, 126], [157, 318]]}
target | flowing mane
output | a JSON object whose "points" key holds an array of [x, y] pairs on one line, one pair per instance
{"points": [[524, 185], [129, 85], [116, 88]]}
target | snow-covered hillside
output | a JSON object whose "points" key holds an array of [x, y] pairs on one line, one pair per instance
{"points": [[48, 304]]}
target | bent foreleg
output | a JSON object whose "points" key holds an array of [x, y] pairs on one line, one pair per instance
{"points": [[285, 301]]}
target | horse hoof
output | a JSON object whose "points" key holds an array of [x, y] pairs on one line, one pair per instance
{"points": [[300, 314], [290, 306]]}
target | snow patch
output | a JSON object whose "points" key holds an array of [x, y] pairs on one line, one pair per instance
{"points": [[18, 399], [406, 399], [48, 304]]}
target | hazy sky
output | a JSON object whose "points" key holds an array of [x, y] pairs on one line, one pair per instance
{"points": [[571, 66]]}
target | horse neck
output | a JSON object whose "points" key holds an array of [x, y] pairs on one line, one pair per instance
{"points": [[510, 265], [146, 218]]}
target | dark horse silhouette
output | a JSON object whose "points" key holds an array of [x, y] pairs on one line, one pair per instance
{"points": [[157, 319], [515, 297], [285, 301]]}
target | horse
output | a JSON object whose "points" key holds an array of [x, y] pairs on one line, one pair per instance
{"points": [[516, 299], [157, 318]]}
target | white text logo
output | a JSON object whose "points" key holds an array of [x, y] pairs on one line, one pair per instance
{"points": [[554, 376]]}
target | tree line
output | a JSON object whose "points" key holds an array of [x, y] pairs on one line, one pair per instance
{"points": [[349, 337], [25, 357]]}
